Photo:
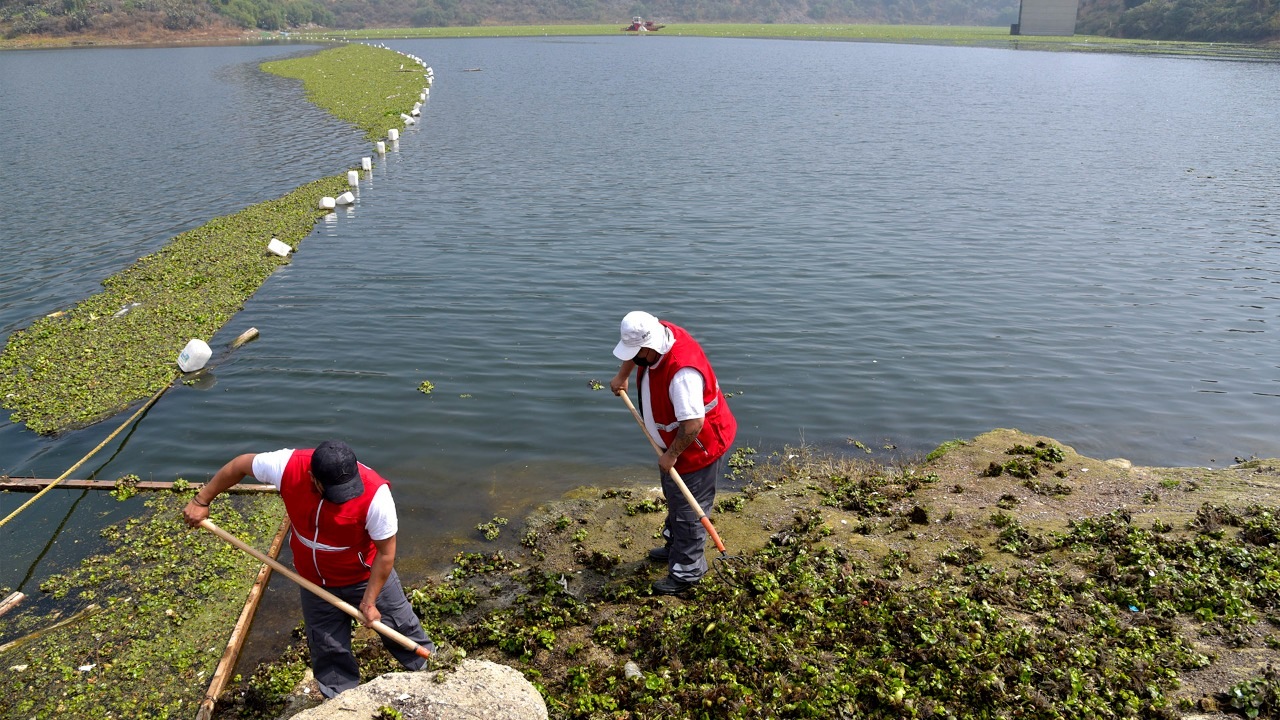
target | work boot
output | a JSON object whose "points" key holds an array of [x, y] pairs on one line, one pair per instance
{"points": [[660, 554], [671, 586]]}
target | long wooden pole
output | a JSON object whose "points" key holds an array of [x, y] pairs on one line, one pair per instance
{"points": [[78, 616], [85, 459], [688, 496], [33, 484], [11, 602], [320, 592], [238, 634]]}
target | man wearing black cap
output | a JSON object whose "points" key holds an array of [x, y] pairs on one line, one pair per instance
{"points": [[344, 539]]}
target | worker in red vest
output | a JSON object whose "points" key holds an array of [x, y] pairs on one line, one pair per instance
{"points": [[686, 413], [344, 527]]}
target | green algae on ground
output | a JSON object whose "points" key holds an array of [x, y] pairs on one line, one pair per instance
{"points": [[121, 345], [878, 591], [167, 597], [368, 87]]}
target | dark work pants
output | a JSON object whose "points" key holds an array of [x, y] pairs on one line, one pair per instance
{"points": [[686, 537], [329, 633]]}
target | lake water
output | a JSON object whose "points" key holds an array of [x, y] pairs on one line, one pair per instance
{"points": [[894, 244]]}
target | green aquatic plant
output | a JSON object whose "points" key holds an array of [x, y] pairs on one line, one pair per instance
{"points": [[118, 347], [126, 486], [648, 505], [426, 387], [366, 86], [493, 528], [89, 362], [167, 598], [1259, 696]]}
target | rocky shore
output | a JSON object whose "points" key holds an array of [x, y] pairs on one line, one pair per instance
{"points": [[1006, 575]]}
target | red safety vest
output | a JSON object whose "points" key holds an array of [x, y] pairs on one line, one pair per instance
{"points": [[330, 544], [719, 426]]}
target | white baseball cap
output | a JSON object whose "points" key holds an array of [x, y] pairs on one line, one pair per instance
{"points": [[639, 330]]}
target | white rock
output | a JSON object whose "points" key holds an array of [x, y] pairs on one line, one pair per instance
{"points": [[475, 689]]}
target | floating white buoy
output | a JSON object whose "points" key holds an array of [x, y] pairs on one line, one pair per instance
{"points": [[194, 355], [327, 203], [393, 135], [416, 111], [279, 248], [422, 96], [353, 178], [366, 164], [381, 147], [408, 120], [426, 93], [345, 198]]}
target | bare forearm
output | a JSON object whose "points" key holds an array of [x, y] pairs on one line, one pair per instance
{"points": [[383, 564], [378, 574], [685, 435], [233, 472], [228, 476]]}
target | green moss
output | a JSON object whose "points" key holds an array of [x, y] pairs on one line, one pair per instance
{"points": [[944, 448]]}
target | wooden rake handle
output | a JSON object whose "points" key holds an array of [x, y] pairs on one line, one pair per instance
{"points": [[684, 489], [323, 594]]}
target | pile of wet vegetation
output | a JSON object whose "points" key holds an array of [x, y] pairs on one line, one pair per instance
{"points": [[136, 630], [932, 589]]}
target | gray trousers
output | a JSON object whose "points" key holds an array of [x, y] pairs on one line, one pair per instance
{"points": [[686, 537], [329, 633]]}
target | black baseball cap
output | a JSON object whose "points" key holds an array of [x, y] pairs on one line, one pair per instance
{"points": [[333, 463]]}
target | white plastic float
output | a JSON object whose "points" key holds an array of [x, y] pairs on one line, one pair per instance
{"points": [[345, 198], [194, 355], [353, 178], [366, 164], [393, 135], [327, 203], [381, 147], [279, 248]]}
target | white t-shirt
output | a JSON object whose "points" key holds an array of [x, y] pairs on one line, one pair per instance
{"points": [[381, 522], [686, 397]]}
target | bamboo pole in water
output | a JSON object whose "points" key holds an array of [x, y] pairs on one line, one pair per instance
{"points": [[11, 602], [241, 630], [34, 484], [82, 614]]}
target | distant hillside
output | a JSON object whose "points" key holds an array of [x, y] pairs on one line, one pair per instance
{"points": [[1200, 20], [122, 17], [1206, 20]]}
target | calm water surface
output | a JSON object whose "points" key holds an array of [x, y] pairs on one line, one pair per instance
{"points": [[887, 243]]}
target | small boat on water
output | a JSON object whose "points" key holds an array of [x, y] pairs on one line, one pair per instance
{"points": [[638, 25]]}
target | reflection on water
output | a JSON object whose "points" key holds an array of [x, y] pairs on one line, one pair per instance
{"points": [[890, 244]]}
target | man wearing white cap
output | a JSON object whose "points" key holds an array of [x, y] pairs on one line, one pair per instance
{"points": [[686, 413]]}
